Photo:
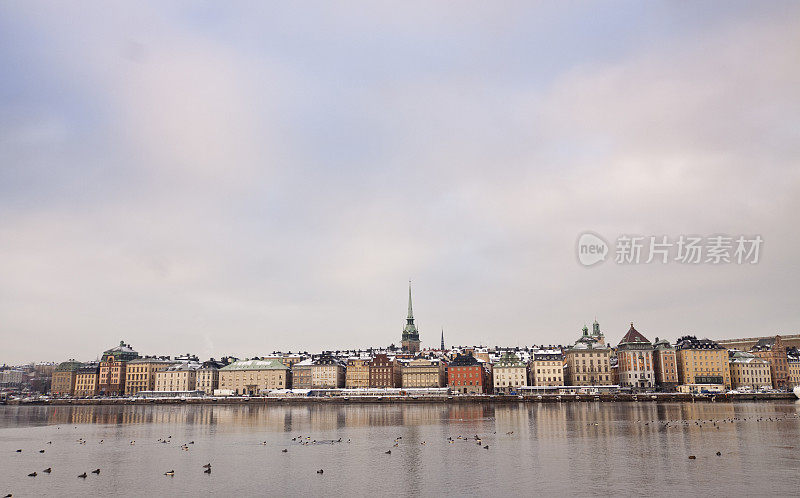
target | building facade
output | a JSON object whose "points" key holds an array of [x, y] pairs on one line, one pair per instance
{"points": [[357, 374], [665, 362], [112, 369], [509, 374], [467, 375], [87, 380], [207, 379], [702, 362], [301, 374], [64, 377], [749, 371], [773, 350], [140, 374], [327, 372], [635, 365], [424, 372], [382, 372], [180, 377], [547, 367], [588, 361], [251, 377]]}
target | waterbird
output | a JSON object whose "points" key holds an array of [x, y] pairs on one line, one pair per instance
{"points": [[170, 473], [692, 457], [32, 474], [719, 453], [8, 495], [486, 447], [47, 470], [83, 476], [41, 451], [284, 450], [388, 452], [96, 471], [19, 451], [320, 471], [207, 471], [207, 466], [49, 442]]}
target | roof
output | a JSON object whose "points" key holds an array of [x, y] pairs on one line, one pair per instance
{"points": [[69, 366], [464, 361], [256, 365], [633, 337]]}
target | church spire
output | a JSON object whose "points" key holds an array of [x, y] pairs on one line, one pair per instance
{"points": [[442, 338], [410, 310]]}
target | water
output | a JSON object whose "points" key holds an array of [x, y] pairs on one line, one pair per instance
{"points": [[570, 448]]}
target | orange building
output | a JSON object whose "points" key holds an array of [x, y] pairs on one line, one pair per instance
{"points": [[111, 380], [773, 350], [466, 374]]}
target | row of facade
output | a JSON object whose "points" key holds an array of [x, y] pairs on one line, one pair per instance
{"points": [[635, 363]]}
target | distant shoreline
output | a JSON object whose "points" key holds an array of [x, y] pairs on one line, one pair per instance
{"points": [[545, 398]]}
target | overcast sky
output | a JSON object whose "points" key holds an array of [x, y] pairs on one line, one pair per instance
{"points": [[235, 179]]}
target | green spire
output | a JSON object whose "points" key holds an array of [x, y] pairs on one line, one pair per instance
{"points": [[410, 311]]}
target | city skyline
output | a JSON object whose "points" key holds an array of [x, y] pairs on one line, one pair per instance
{"points": [[239, 179]]}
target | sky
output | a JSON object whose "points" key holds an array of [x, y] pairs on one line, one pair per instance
{"points": [[244, 177]]}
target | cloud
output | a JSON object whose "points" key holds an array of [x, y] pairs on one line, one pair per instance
{"points": [[238, 181]]}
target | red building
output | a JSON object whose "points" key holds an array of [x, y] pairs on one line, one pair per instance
{"points": [[466, 374], [382, 372]]}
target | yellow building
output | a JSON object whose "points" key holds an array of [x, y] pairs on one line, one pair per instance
{"points": [[86, 380], [747, 370], [794, 371], [250, 377], [64, 376], [702, 361], [423, 372], [181, 377], [327, 373], [547, 368], [357, 374], [140, 374]]}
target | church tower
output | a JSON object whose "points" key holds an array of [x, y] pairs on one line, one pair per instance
{"points": [[410, 340]]}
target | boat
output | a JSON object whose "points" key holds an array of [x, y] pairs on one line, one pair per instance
{"points": [[797, 391]]}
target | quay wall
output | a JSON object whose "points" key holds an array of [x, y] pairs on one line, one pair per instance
{"points": [[545, 398]]}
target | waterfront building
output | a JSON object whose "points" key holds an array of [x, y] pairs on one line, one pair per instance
{"points": [[207, 379], [509, 374], [547, 367], [112, 369], [466, 374], [327, 372], [748, 370], [180, 377], [382, 372], [64, 375], [87, 380], [794, 367], [665, 363], [635, 366], [12, 377], [301, 374], [773, 350], [588, 361], [702, 362], [287, 359], [424, 372], [140, 374], [410, 338], [357, 373], [747, 343], [251, 377]]}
